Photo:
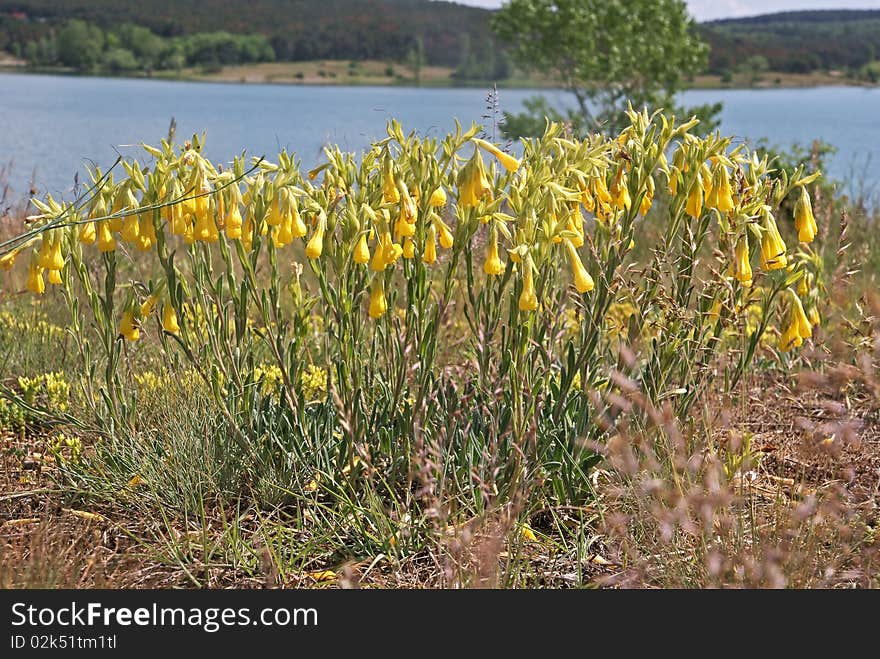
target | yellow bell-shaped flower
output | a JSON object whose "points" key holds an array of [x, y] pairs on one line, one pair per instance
{"points": [[721, 195], [493, 265], [299, 227], [438, 198], [648, 197], [169, 320], [772, 246], [362, 250], [128, 328], [507, 161], [804, 220], [130, 229], [528, 299], [149, 304], [88, 233], [233, 223], [273, 215], [600, 190], [55, 277], [430, 255], [146, 233], [583, 282], [620, 193], [742, 267], [7, 261], [106, 241], [35, 283], [316, 244], [446, 237], [694, 206], [799, 328], [179, 222], [473, 185], [56, 258], [378, 306], [409, 248]]}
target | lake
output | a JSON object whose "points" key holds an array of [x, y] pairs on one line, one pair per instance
{"points": [[51, 126]]}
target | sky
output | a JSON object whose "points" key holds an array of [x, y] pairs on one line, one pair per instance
{"points": [[706, 10]]}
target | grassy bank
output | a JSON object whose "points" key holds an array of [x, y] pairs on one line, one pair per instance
{"points": [[372, 72]]}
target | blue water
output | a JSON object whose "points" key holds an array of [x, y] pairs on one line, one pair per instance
{"points": [[51, 126]]}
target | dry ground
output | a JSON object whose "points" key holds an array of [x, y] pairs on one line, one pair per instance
{"points": [[805, 439]]}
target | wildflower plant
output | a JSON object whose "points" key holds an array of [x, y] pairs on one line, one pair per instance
{"points": [[429, 293]]}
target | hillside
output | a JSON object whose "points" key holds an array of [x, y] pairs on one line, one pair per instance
{"points": [[196, 33], [796, 42], [297, 29]]}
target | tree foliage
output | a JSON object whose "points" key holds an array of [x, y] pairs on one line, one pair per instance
{"points": [[605, 52]]}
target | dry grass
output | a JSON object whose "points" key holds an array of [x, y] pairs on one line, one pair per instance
{"points": [[801, 510]]}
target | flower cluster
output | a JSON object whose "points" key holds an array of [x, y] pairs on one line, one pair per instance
{"points": [[395, 212]]}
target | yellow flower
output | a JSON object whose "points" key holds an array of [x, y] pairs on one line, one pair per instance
{"points": [[378, 306], [146, 233], [409, 248], [316, 245], [299, 227], [55, 277], [583, 282], [742, 265], [721, 196], [493, 265], [106, 241], [130, 229], [528, 300], [35, 283], [804, 221], [772, 246], [620, 192], [233, 223], [509, 163], [273, 216], [695, 199], [283, 233], [390, 193], [600, 190], [575, 224], [179, 222], [430, 254], [472, 182], [169, 320], [128, 327], [8, 260], [362, 250], [386, 253], [149, 304], [446, 237], [799, 328], [247, 233], [403, 228], [648, 197], [88, 234], [438, 198], [205, 228]]}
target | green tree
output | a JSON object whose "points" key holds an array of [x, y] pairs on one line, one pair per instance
{"points": [[605, 52], [80, 45], [416, 59]]}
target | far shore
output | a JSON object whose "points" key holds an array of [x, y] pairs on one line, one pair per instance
{"points": [[376, 73]]}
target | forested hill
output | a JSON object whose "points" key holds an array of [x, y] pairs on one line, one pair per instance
{"points": [[796, 41], [296, 29], [197, 32]]}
